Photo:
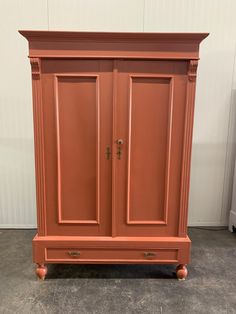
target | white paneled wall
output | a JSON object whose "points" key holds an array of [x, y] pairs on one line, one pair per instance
{"points": [[17, 182], [214, 140], [96, 15]]}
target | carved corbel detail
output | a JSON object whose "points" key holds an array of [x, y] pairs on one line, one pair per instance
{"points": [[192, 70], [35, 67]]}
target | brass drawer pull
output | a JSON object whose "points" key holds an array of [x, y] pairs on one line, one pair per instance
{"points": [[74, 253], [149, 254]]}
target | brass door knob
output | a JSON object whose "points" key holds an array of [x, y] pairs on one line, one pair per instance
{"points": [[119, 142]]}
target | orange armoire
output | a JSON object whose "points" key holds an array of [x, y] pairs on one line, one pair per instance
{"points": [[113, 120]]}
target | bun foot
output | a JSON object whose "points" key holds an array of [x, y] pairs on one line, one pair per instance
{"points": [[181, 272], [41, 271]]}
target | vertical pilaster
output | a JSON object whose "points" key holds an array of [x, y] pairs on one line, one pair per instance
{"points": [[187, 148], [38, 144]]}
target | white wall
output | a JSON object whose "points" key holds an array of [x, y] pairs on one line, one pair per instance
{"points": [[214, 141]]}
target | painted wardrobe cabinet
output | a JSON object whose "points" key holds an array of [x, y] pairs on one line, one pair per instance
{"points": [[113, 119]]}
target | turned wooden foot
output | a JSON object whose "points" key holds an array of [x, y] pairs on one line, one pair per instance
{"points": [[181, 272], [41, 271]]}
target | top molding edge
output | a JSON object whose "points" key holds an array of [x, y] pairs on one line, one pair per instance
{"points": [[112, 36]]}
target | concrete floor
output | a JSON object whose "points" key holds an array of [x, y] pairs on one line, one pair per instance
{"points": [[210, 287]]}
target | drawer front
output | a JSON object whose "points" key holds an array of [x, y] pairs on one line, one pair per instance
{"points": [[111, 255]]}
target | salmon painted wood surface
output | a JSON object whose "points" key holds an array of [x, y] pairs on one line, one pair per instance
{"points": [[113, 120]]}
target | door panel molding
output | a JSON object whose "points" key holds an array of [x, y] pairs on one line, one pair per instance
{"points": [[57, 77], [163, 221]]}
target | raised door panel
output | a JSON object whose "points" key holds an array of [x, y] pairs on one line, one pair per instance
{"points": [[77, 117], [150, 111], [78, 135]]}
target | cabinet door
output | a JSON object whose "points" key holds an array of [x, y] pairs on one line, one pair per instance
{"points": [[77, 115], [150, 105]]}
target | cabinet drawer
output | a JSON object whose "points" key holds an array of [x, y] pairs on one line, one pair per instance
{"points": [[111, 254]]}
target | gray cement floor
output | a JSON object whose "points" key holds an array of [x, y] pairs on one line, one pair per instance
{"points": [[210, 287]]}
